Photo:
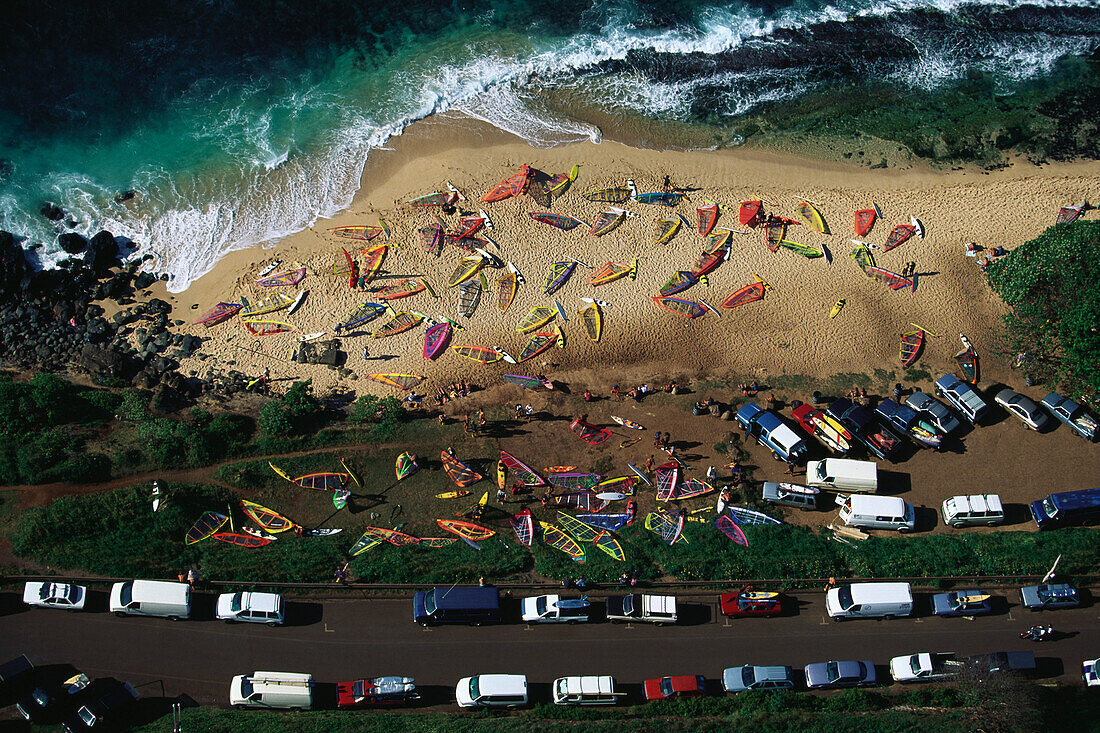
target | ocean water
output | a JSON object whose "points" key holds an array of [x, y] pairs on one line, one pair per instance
{"points": [[237, 123]]}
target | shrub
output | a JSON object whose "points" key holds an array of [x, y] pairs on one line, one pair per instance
{"points": [[275, 420], [134, 405]]}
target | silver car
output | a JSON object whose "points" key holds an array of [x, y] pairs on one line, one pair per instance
{"points": [[1022, 407], [839, 674], [942, 417], [739, 679]]}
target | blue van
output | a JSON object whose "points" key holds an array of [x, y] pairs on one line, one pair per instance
{"points": [[1067, 507], [474, 606]]}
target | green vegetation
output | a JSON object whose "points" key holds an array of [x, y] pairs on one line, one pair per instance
{"points": [[931, 710], [1052, 284]]}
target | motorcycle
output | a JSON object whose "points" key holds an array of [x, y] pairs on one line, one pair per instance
{"points": [[1038, 633]]}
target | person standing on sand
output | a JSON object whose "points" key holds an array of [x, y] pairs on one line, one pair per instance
{"points": [[466, 423], [529, 411], [790, 468], [615, 392], [519, 412], [649, 463], [480, 418]]}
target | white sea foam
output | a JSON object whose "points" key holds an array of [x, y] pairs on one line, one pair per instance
{"points": [[285, 184]]}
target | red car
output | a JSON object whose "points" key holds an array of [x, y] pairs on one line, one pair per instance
{"points": [[685, 685], [747, 602], [376, 691]]}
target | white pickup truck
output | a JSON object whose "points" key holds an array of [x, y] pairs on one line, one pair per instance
{"points": [[925, 667], [657, 610]]}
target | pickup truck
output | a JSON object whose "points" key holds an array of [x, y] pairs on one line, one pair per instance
{"points": [[880, 440], [554, 609], [1018, 662], [657, 610], [925, 667], [772, 433], [1072, 414], [906, 418], [826, 429], [962, 397]]}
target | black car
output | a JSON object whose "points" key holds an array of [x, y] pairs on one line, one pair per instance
{"points": [[41, 704], [99, 714], [15, 678], [880, 439]]}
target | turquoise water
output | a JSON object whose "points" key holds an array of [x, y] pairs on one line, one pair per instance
{"points": [[236, 124]]}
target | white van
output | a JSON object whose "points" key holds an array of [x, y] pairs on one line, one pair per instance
{"points": [[492, 691], [964, 511], [877, 512], [869, 600], [843, 473], [151, 598], [274, 690], [591, 690]]}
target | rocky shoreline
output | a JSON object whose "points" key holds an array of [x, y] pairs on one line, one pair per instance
{"points": [[55, 320]]}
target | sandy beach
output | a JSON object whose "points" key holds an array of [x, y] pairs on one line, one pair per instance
{"points": [[789, 332]]}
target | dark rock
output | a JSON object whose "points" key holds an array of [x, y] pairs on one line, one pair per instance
{"points": [[144, 280], [156, 305], [13, 265], [146, 379], [121, 318], [72, 243], [163, 364], [100, 362], [125, 196], [53, 212], [102, 252]]}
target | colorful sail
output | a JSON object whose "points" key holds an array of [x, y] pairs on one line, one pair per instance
{"points": [[558, 221], [708, 217], [361, 232], [774, 233], [592, 317], [750, 517], [967, 359], [746, 294], [220, 313], [363, 314], [268, 519], [1069, 214], [681, 280], [911, 344], [459, 472], [669, 526], [512, 186], [606, 221], [619, 484], [610, 522], [805, 250], [690, 489], [665, 229], [523, 473], [466, 268], [342, 264], [681, 307], [523, 381], [480, 354], [206, 526], [610, 272], [438, 198], [436, 542], [267, 328], [400, 381], [812, 216], [864, 220], [431, 239], [730, 529], [436, 338], [506, 290], [286, 277], [863, 257], [524, 527], [750, 213], [616, 195], [560, 540], [584, 501], [556, 276], [466, 530], [536, 318], [668, 477], [400, 323], [404, 465], [574, 480], [400, 289], [606, 542], [898, 235], [276, 302], [589, 433], [578, 529], [323, 480], [715, 254], [241, 540], [366, 541], [539, 343], [469, 295], [892, 279]]}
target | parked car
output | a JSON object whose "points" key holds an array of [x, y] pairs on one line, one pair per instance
{"points": [[944, 420], [828, 430], [55, 595], [1090, 669], [820, 675], [99, 713], [553, 609], [15, 676], [962, 603], [657, 610], [1049, 596], [685, 685], [770, 431], [964, 511], [1017, 662], [962, 397], [749, 677], [376, 691], [800, 497], [906, 419], [251, 608], [879, 439], [44, 704], [1022, 407], [747, 602], [1072, 414], [492, 691], [925, 667], [1066, 508], [588, 690]]}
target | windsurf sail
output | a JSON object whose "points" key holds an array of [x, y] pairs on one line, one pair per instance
{"points": [[681, 307], [668, 476], [584, 501], [746, 294], [558, 221], [606, 221], [436, 542], [911, 344], [400, 323], [805, 250], [750, 213], [523, 381], [592, 317], [578, 529], [892, 279], [669, 526], [480, 354], [431, 239], [616, 195], [536, 318], [366, 541], [610, 272], [560, 540], [610, 545], [400, 381], [342, 264], [268, 519], [708, 217], [287, 277], [748, 517], [466, 530], [466, 268], [459, 472], [666, 229], [469, 295], [404, 466], [864, 220], [619, 484], [241, 540], [364, 233], [730, 529], [267, 328], [589, 433], [967, 359], [611, 522], [512, 186], [372, 261], [539, 343], [436, 338], [523, 473], [898, 235], [400, 289], [812, 216], [681, 280], [438, 198], [863, 257], [556, 276], [524, 527], [690, 489], [715, 254], [363, 314], [220, 313], [206, 526], [774, 233], [506, 290], [574, 481], [1069, 214], [323, 480], [276, 302]]}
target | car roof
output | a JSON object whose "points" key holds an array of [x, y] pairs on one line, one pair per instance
{"points": [[260, 601]]}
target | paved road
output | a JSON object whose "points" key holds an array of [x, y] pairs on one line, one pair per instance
{"points": [[347, 639]]}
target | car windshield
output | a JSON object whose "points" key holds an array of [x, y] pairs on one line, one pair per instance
{"points": [[41, 696], [748, 676], [914, 664], [235, 602], [540, 605], [1050, 507], [357, 689], [832, 671], [126, 594], [844, 597], [474, 691], [45, 591], [429, 603], [87, 716], [628, 605], [666, 686]]}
